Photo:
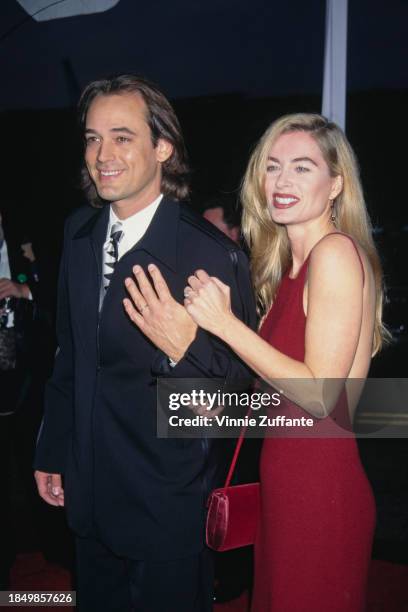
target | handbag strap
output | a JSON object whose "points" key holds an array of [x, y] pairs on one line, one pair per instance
{"points": [[236, 454], [234, 259]]}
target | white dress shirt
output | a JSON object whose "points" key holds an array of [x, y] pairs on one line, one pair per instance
{"points": [[4, 262], [133, 227], [5, 272]]}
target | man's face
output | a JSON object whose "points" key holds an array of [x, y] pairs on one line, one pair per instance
{"points": [[216, 217], [120, 156]]}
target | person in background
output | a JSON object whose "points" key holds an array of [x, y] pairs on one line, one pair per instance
{"points": [[17, 288], [222, 214]]}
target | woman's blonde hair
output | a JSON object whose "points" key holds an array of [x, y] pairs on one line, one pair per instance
{"points": [[269, 243]]}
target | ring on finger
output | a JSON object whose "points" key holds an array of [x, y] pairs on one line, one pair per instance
{"points": [[143, 307]]}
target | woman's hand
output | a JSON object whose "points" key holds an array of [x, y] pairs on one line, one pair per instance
{"points": [[208, 302], [157, 314]]}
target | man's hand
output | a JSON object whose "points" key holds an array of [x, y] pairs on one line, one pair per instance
{"points": [[9, 288], [157, 314], [50, 487]]}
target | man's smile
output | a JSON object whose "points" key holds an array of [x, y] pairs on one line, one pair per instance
{"points": [[108, 175]]}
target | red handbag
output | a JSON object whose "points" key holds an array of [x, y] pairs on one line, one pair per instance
{"points": [[233, 512]]}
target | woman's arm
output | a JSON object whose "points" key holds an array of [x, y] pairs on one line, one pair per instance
{"points": [[334, 315]]}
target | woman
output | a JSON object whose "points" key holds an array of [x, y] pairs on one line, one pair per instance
{"points": [[318, 281]]}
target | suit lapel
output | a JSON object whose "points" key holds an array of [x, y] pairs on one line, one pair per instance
{"points": [[160, 241], [85, 277], [160, 238]]}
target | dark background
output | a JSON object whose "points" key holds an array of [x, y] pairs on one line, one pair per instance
{"points": [[230, 67]]}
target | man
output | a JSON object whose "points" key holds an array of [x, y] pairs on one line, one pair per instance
{"points": [[135, 502], [221, 213]]}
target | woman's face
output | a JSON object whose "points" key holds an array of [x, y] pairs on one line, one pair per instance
{"points": [[298, 184]]}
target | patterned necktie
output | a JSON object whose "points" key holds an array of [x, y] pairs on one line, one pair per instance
{"points": [[110, 258]]}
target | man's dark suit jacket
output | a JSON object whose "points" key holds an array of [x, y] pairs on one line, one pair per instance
{"points": [[144, 497]]}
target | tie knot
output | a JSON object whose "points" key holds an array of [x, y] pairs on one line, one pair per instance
{"points": [[116, 233]]}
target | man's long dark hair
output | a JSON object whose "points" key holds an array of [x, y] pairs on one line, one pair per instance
{"points": [[162, 121]]}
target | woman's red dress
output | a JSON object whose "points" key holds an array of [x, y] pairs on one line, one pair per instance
{"points": [[313, 547]]}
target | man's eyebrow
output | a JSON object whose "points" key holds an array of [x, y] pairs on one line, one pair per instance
{"points": [[123, 129], [115, 129]]}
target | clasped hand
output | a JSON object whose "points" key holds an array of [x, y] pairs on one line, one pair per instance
{"points": [[208, 302], [169, 325]]}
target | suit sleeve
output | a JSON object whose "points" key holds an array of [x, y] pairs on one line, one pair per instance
{"points": [[56, 427], [208, 356]]}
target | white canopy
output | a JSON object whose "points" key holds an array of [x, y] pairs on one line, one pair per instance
{"points": [[44, 10]]}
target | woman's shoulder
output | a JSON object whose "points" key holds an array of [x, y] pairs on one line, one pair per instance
{"points": [[337, 254]]}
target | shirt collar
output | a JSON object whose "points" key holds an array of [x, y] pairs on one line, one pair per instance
{"points": [[160, 239], [137, 223]]}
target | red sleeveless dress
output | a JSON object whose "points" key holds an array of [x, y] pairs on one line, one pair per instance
{"points": [[313, 547]]}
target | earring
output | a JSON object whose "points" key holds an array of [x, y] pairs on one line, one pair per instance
{"points": [[333, 211]]}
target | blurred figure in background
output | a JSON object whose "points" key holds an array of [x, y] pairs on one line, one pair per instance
{"points": [[16, 297], [221, 213]]}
